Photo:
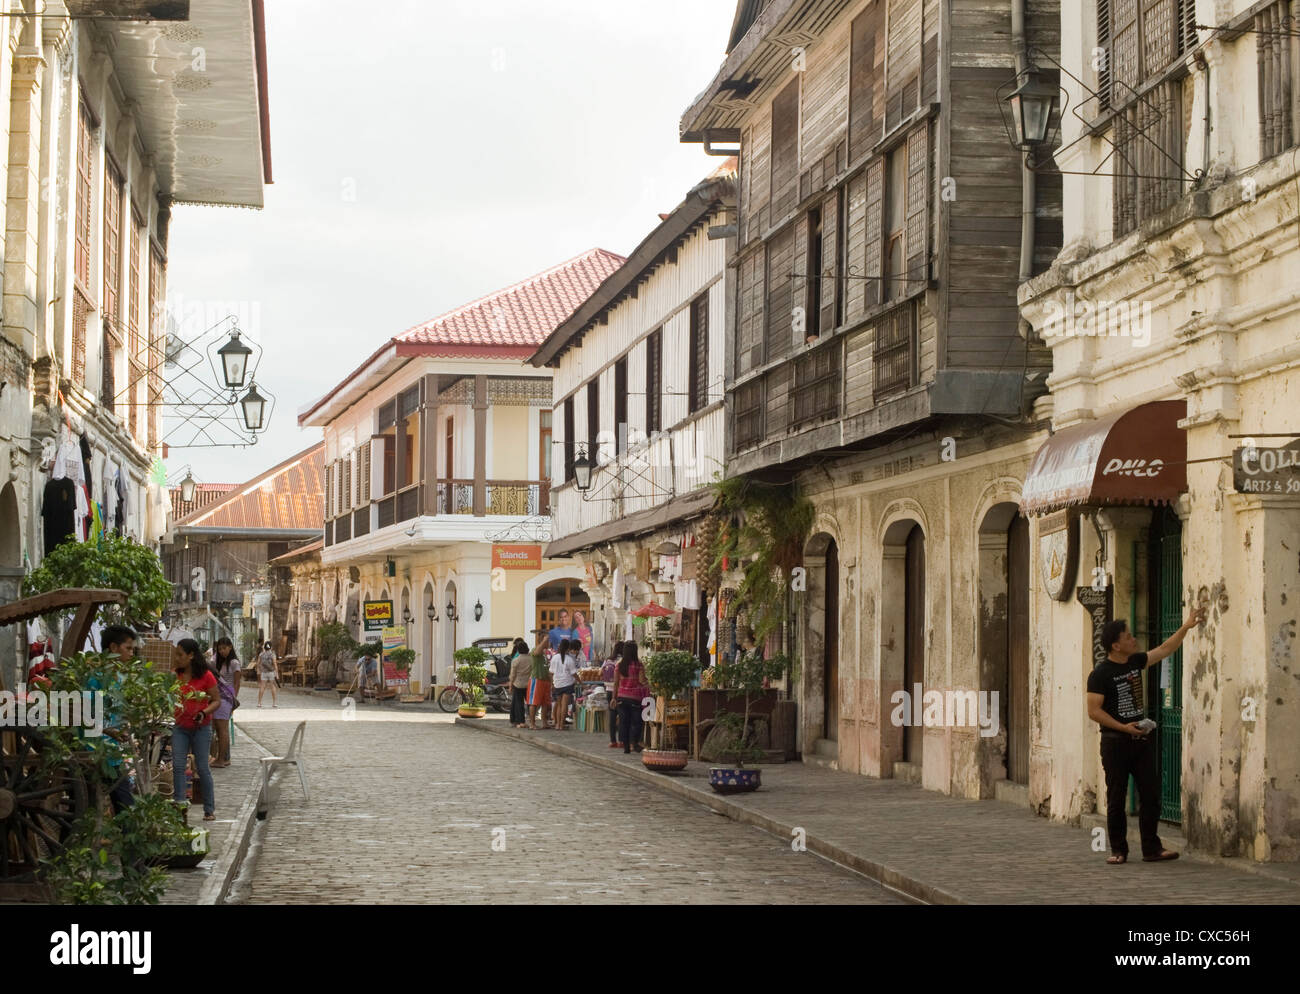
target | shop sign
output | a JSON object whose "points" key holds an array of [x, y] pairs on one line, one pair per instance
{"points": [[1099, 604], [1058, 553], [1267, 471], [378, 615], [393, 638], [516, 557], [309, 606]]}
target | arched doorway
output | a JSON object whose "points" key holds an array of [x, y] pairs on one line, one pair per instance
{"points": [[1004, 642], [902, 645], [11, 575], [564, 594]]}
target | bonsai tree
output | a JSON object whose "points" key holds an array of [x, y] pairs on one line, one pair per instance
{"points": [[672, 673], [471, 672], [746, 677]]}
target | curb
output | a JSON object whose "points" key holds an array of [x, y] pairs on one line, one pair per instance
{"points": [[216, 888], [917, 890]]}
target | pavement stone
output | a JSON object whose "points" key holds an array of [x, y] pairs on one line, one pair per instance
{"points": [[406, 806], [933, 847]]}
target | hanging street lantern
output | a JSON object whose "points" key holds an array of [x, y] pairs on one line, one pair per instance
{"points": [[188, 487], [254, 405], [1031, 108], [234, 361], [582, 470]]}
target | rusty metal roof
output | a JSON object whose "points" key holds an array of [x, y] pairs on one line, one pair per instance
{"points": [[288, 497]]}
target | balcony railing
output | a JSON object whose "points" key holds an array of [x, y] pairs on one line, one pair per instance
{"points": [[894, 356], [520, 498]]}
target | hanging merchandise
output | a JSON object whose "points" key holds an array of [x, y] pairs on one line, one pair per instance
{"points": [[86, 459], [616, 588], [121, 494], [713, 626], [59, 512], [96, 523]]}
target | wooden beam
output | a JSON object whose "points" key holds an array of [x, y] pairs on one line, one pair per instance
{"points": [[30, 608]]}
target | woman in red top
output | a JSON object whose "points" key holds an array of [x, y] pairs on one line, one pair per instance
{"points": [[200, 699], [630, 688]]}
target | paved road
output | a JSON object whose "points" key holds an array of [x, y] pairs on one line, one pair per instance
{"points": [[407, 808]]}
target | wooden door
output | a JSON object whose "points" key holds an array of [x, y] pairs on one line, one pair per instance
{"points": [[1017, 690], [831, 661], [914, 637]]}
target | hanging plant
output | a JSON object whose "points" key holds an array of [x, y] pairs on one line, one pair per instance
{"points": [[767, 528]]}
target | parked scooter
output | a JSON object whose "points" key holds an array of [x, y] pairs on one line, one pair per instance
{"points": [[497, 688]]}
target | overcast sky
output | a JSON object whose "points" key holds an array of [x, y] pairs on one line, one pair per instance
{"points": [[427, 152]]}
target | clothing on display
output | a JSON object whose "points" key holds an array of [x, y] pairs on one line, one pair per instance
{"points": [[59, 512]]}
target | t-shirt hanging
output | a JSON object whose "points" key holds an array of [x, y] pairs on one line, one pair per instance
{"points": [[58, 512]]}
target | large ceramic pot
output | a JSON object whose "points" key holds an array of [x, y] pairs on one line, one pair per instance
{"points": [[725, 780], [469, 711], [664, 760]]}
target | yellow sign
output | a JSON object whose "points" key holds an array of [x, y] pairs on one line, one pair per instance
{"points": [[378, 615]]}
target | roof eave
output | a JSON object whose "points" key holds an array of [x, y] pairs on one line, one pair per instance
{"points": [[704, 198]]}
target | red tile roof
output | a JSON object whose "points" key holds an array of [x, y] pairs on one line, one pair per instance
{"points": [[511, 322], [522, 314], [311, 548], [204, 494], [288, 497]]}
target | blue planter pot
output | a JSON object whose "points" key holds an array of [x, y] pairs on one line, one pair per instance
{"points": [[728, 781]]}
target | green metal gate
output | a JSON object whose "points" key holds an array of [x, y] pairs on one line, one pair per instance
{"points": [[1169, 533]]}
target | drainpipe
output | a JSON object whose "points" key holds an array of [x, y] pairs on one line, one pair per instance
{"points": [[1028, 185]]}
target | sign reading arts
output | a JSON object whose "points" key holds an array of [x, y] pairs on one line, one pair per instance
{"points": [[1267, 471], [516, 557], [378, 615]]}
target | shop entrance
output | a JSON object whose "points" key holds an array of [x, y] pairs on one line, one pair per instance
{"points": [[1167, 555], [557, 596], [831, 670]]}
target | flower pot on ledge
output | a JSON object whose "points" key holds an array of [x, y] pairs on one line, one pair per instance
{"points": [[472, 711], [664, 760]]}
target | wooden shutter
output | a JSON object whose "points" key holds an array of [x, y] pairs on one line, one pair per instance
{"points": [[875, 232], [830, 282], [347, 483], [85, 170], [1125, 52], [799, 283], [570, 449], [363, 484], [653, 380], [699, 388], [112, 244], [749, 321], [593, 417], [620, 406], [903, 62], [864, 114], [785, 150], [780, 259], [329, 491], [918, 196]]}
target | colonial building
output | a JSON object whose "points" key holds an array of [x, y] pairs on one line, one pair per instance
{"points": [[873, 360], [107, 124], [638, 392], [438, 461], [219, 557], [1172, 319]]}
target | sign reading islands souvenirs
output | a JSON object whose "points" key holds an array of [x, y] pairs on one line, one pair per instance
{"points": [[1100, 605], [378, 615], [1058, 552], [516, 557], [1267, 471]]}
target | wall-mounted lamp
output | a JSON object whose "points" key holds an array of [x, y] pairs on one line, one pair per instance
{"points": [[431, 612], [478, 610]]}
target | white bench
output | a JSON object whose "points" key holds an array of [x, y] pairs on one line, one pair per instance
{"points": [[291, 757]]}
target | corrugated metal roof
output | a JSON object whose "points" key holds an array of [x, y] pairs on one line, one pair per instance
{"points": [[290, 496]]}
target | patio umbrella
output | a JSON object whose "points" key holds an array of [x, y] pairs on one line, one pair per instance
{"points": [[652, 610]]}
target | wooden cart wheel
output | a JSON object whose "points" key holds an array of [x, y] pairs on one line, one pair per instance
{"points": [[37, 808]]}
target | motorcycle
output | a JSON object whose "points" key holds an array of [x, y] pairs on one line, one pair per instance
{"points": [[496, 691]]}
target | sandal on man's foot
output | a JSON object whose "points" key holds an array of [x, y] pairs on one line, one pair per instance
{"points": [[1164, 855], [1116, 859]]}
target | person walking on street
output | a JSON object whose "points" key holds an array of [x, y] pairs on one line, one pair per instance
{"points": [[564, 674], [521, 670], [629, 676], [192, 734], [539, 688], [608, 673], [1114, 699], [268, 675], [228, 680]]}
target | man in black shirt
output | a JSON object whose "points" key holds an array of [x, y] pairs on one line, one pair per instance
{"points": [[1127, 748]]}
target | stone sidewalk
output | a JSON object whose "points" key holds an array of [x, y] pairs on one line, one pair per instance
{"points": [[236, 789], [931, 847]]}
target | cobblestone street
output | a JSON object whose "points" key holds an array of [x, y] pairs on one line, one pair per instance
{"points": [[405, 808]]}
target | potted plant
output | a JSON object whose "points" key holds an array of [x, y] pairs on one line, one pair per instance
{"points": [[670, 675], [743, 678], [470, 676]]}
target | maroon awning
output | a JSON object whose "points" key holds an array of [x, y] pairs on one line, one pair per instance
{"points": [[1136, 457]]}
